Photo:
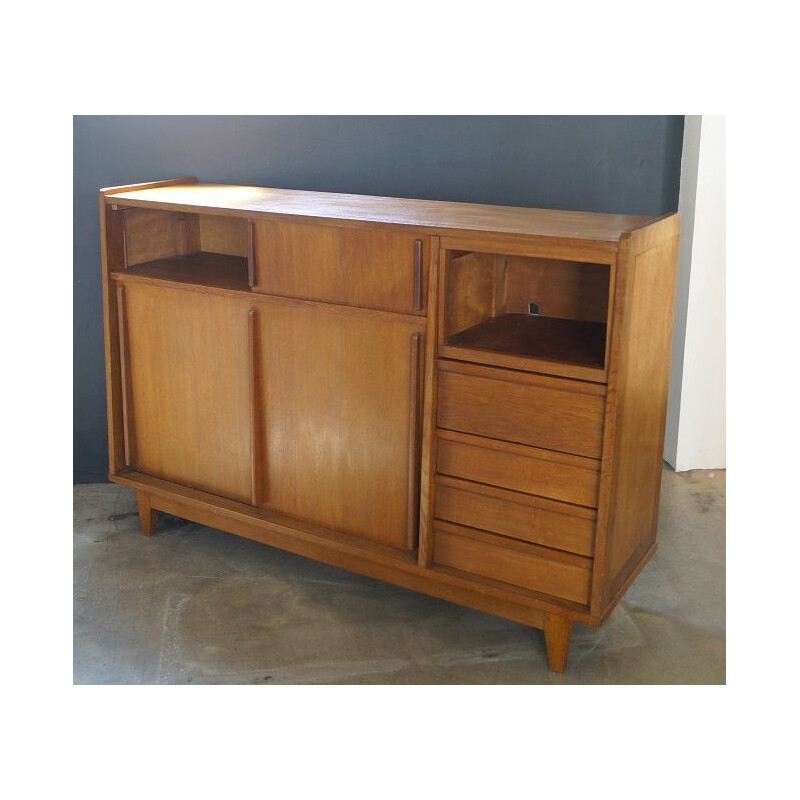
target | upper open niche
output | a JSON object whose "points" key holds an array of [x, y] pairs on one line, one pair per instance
{"points": [[203, 249], [530, 307]]}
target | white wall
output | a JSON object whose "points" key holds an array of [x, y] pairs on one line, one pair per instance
{"points": [[695, 431]]}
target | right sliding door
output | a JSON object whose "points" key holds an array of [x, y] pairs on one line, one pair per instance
{"points": [[339, 428]]}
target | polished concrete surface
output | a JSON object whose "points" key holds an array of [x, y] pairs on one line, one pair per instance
{"points": [[192, 605]]}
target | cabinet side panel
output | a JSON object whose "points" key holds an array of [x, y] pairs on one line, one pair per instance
{"points": [[640, 413]]}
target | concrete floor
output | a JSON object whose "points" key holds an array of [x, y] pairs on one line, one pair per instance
{"points": [[194, 605]]}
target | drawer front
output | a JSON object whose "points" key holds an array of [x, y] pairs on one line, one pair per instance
{"points": [[554, 414], [572, 479], [530, 519], [380, 269], [525, 565]]}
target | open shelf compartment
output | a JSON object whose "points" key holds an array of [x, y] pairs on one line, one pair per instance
{"points": [[195, 249], [525, 307]]}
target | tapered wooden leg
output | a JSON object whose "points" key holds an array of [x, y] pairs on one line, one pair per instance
{"points": [[556, 637], [147, 514]]}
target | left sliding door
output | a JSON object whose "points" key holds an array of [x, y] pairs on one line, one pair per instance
{"points": [[186, 364]]}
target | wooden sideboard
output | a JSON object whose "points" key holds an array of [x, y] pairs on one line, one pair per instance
{"points": [[464, 400]]}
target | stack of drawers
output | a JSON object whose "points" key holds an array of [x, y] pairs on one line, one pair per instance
{"points": [[517, 477]]}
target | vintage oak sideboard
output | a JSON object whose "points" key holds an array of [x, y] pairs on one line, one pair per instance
{"points": [[465, 400]]}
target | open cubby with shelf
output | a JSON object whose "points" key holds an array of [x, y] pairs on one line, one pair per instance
{"points": [[176, 247], [526, 307]]}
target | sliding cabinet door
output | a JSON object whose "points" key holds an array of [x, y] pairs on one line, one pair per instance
{"points": [[340, 424], [187, 376]]}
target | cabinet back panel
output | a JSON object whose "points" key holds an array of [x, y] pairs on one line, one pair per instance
{"points": [[190, 387], [226, 235], [564, 289]]}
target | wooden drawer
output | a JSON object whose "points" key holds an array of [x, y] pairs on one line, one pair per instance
{"points": [[551, 413], [572, 479], [381, 269], [521, 516], [527, 565]]}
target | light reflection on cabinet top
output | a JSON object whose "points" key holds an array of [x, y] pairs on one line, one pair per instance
{"points": [[433, 215]]}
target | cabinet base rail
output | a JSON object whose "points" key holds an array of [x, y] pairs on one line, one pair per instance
{"points": [[554, 617]]}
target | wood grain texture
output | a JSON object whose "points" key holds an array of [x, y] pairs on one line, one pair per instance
{"points": [[434, 214], [110, 248], [369, 269], [147, 514], [190, 387], [112, 256], [571, 479], [225, 235], [207, 270], [110, 191], [415, 412], [482, 287], [564, 289], [550, 413], [533, 336], [151, 234], [336, 405], [631, 471], [557, 631], [471, 292], [520, 516], [530, 566], [128, 430], [427, 491], [256, 406]]}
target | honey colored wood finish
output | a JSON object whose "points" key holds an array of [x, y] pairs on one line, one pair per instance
{"points": [[189, 379], [541, 569], [556, 635], [637, 408], [519, 516], [340, 411], [572, 479], [544, 412], [147, 514], [286, 366], [369, 269], [427, 486], [434, 215]]}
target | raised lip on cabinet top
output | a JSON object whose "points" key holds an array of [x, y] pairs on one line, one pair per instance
{"points": [[433, 216]]}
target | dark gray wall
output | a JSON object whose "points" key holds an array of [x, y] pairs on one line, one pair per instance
{"points": [[626, 165]]}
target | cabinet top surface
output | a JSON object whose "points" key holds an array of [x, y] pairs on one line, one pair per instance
{"points": [[436, 215]]}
